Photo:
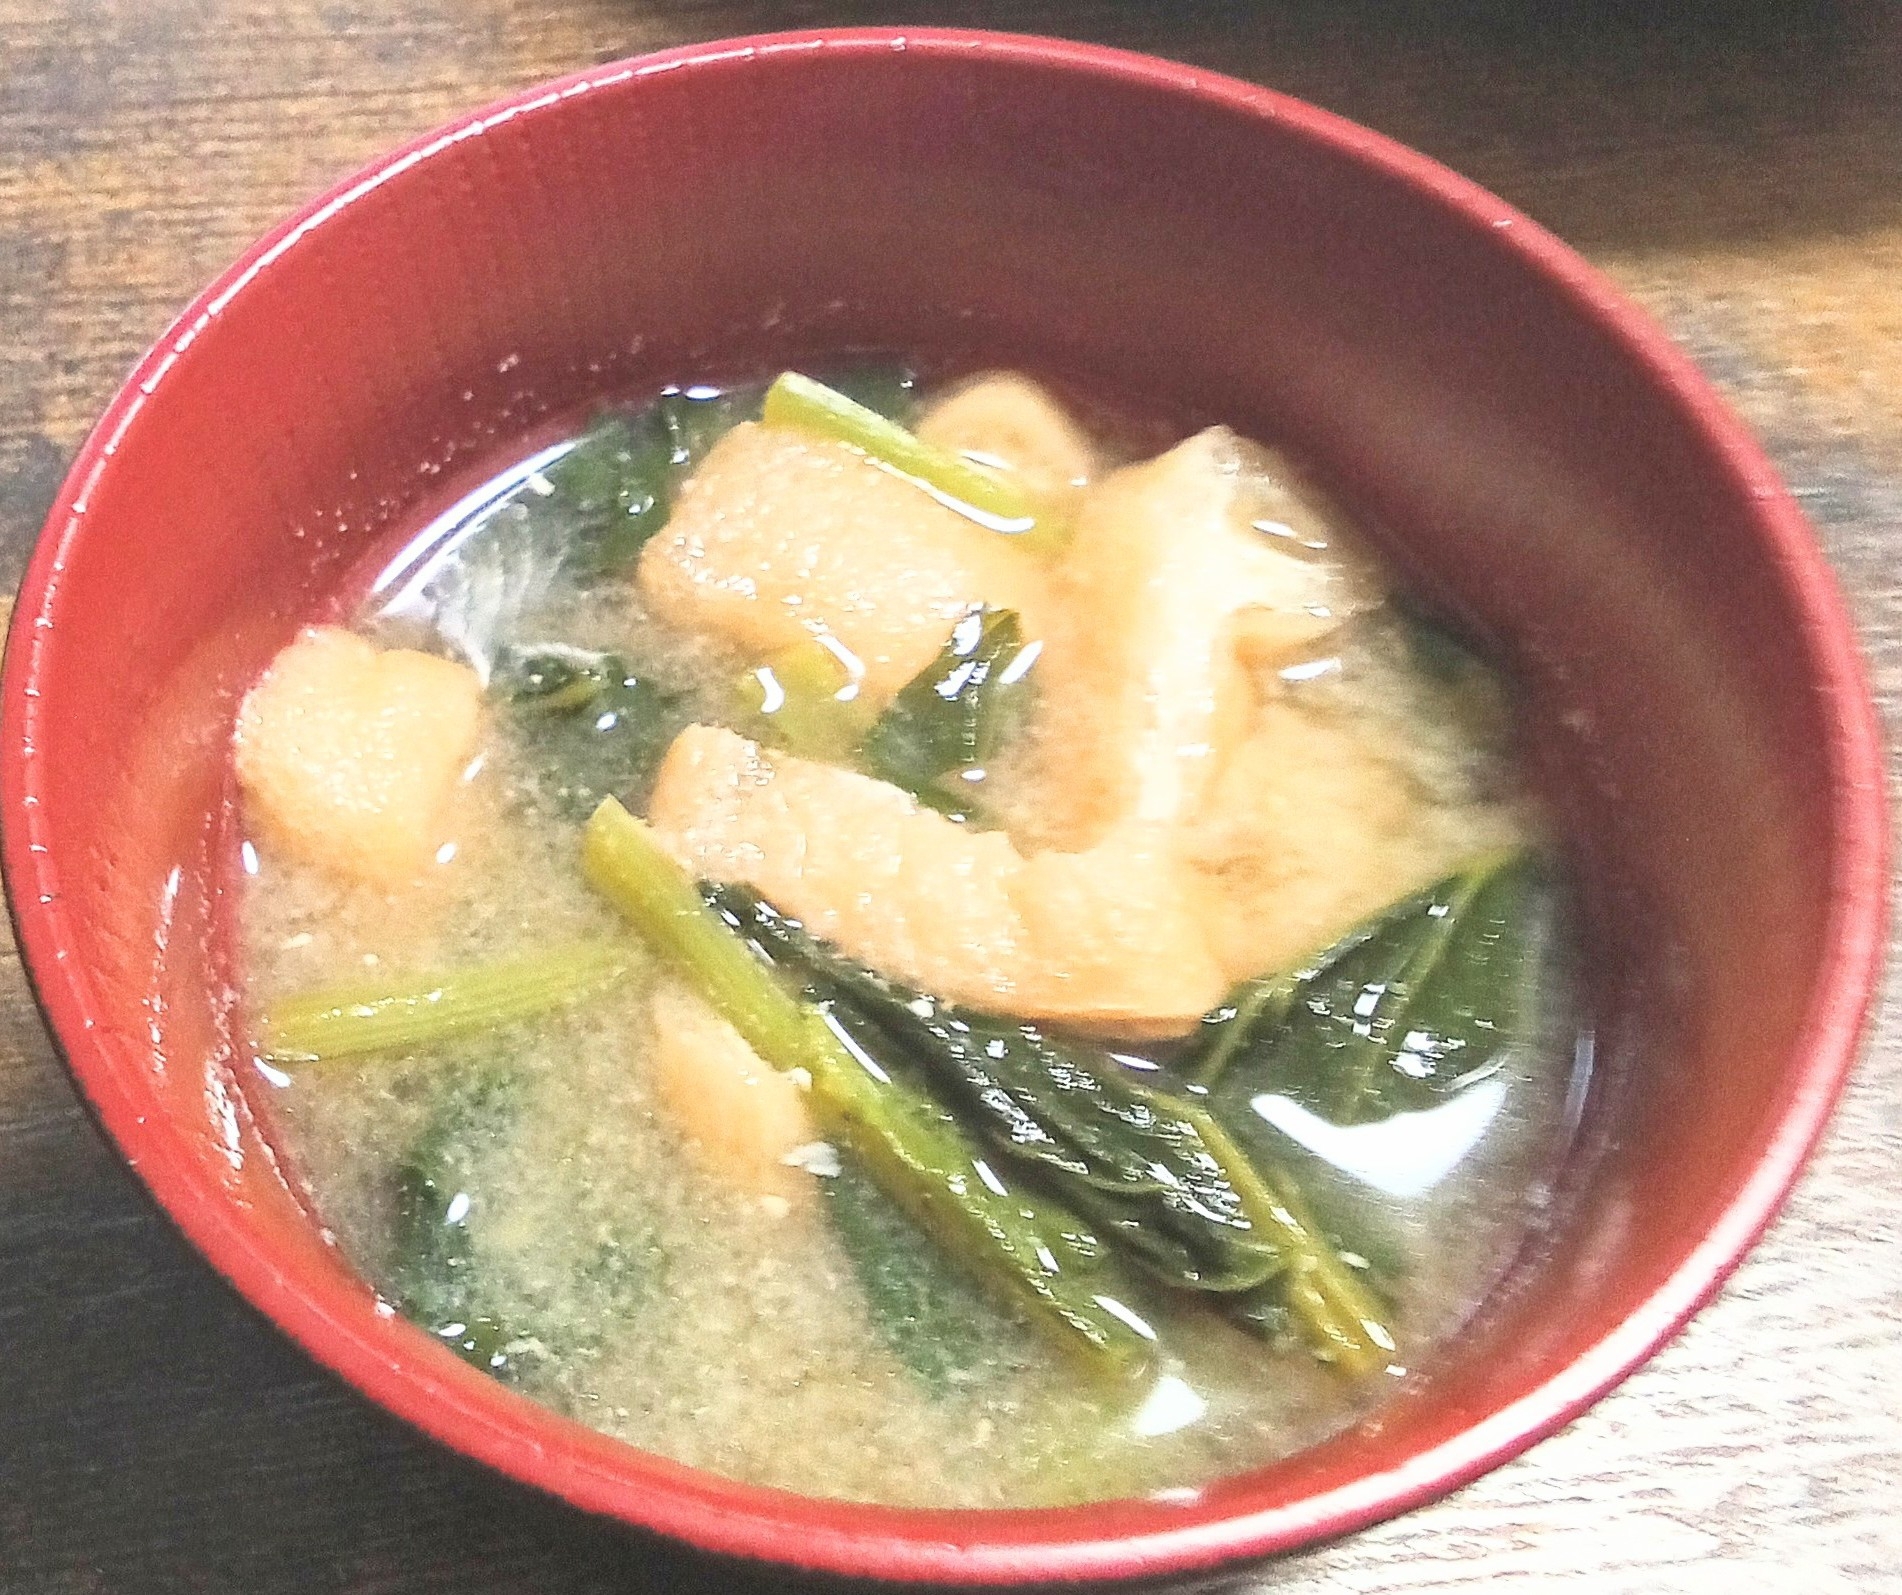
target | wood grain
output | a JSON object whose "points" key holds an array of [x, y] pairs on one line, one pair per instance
{"points": [[1738, 167]]}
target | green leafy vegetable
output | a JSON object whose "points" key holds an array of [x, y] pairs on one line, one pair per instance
{"points": [[948, 722], [1041, 1102], [411, 1011], [438, 1271], [1152, 1167], [1437, 651], [930, 1315], [1033, 1249], [613, 487], [1000, 503], [934, 739], [1459, 685], [590, 726], [1408, 1007], [805, 698], [434, 1269]]}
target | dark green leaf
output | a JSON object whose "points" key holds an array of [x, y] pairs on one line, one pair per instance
{"points": [[616, 486], [438, 1271], [1435, 649], [1143, 1231], [590, 727], [1152, 1168], [948, 722], [434, 1270], [610, 493], [934, 1319], [1412, 1005], [1462, 685], [1127, 1154], [929, 1164]]}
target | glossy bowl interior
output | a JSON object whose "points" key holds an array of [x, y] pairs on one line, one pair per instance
{"points": [[1534, 450]]}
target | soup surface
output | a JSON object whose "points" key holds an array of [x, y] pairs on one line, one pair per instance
{"points": [[1164, 1042]]}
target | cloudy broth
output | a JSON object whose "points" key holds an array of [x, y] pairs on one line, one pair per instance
{"points": [[808, 1336]]}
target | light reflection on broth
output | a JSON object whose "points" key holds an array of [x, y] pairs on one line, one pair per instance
{"points": [[1228, 746]]}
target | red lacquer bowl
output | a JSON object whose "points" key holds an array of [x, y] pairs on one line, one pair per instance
{"points": [[1539, 454]]}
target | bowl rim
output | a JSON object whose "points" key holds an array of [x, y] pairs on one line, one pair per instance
{"points": [[1002, 1546]]}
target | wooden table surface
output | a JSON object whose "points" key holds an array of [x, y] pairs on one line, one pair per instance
{"points": [[1738, 168]]}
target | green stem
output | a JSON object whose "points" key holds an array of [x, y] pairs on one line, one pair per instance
{"points": [[798, 402], [1039, 1252], [1344, 1324], [417, 1010]]}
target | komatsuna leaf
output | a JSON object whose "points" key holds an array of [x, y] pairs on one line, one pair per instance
{"points": [[1416, 1003], [434, 1268], [447, 1192], [608, 494], [930, 1314], [948, 722], [589, 725], [1150, 1168], [1128, 1156]]}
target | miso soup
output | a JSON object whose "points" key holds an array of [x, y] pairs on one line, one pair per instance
{"points": [[908, 945]]}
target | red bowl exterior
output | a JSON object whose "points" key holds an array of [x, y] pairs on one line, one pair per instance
{"points": [[1544, 454]]}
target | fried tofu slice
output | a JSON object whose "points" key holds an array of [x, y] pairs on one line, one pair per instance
{"points": [[1006, 420], [1312, 826], [781, 536], [348, 754], [1183, 572], [859, 861], [1109, 943], [740, 1117], [1118, 933]]}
